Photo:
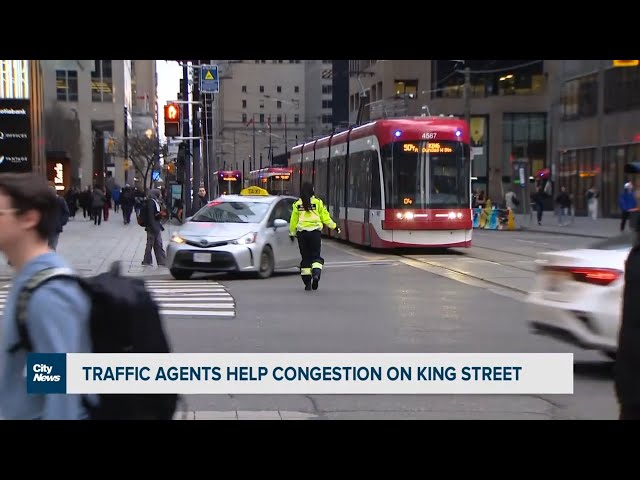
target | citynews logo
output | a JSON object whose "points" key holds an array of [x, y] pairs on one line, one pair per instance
{"points": [[46, 373], [43, 373]]}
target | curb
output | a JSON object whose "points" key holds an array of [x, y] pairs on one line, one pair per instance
{"points": [[568, 234]]}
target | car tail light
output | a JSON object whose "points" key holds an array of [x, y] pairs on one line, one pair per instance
{"points": [[594, 276]]}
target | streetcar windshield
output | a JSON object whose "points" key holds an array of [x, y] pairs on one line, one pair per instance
{"points": [[424, 174]]}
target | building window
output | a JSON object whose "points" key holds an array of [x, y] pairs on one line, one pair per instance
{"points": [[244, 118], [296, 89], [580, 98], [244, 104], [524, 144], [327, 89], [406, 88], [296, 119], [67, 85], [262, 118], [244, 89], [326, 119], [278, 104], [577, 172], [622, 89], [613, 176], [261, 103], [102, 82], [504, 77], [326, 103], [261, 88], [279, 89], [279, 118]]}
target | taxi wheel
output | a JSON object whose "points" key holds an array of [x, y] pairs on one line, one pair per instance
{"points": [[266, 263], [180, 274]]}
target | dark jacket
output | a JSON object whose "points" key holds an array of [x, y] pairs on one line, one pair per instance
{"points": [[198, 203], [627, 367], [63, 213], [153, 218], [563, 200]]}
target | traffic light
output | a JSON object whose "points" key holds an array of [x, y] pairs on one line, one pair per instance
{"points": [[172, 120], [626, 63]]}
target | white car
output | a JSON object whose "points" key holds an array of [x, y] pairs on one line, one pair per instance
{"points": [[577, 297], [235, 233]]}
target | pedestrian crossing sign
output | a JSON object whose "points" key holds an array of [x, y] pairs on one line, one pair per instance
{"points": [[209, 81]]}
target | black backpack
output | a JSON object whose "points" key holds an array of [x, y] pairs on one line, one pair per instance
{"points": [[143, 216], [124, 319]]}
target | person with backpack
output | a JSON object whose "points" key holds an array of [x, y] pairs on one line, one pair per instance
{"points": [[150, 214], [57, 314], [307, 218]]}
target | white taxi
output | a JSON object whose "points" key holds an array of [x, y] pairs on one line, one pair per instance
{"points": [[248, 232]]}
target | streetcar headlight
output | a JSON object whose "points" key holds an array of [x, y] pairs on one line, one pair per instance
{"points": [[408, 216], [452, 215], [459, 215]]}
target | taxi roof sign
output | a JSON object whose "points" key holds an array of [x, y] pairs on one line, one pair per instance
{"points": [[253, 191]]}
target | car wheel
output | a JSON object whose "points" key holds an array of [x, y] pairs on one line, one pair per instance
{"points": [[266, 263], [180, 274]]}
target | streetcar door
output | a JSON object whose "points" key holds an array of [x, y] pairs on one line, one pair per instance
{"points": [[366, 172]]}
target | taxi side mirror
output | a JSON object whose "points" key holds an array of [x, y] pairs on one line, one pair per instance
{"points": [[278, 222]]}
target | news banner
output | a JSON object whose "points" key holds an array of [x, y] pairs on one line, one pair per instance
{"points": [[300, 373]]}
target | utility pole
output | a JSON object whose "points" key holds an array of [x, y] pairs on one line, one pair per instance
{"points": [[126, 144], [196, 128], [467, 96], [186, 181], [253, 124]]}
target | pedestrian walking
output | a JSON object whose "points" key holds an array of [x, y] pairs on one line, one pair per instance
{"points": [[307, 218], [56, 316]]}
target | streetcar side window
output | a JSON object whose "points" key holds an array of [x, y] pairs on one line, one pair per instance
{"points": [[376, 201]]}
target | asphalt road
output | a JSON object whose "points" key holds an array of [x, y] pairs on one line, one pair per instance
{"points": [[459, 300]]}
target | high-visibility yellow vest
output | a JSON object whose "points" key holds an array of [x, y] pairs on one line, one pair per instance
{"points": [[302, 220]]}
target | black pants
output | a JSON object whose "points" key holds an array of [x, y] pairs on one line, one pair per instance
{"points": [[97, 215], [625, 217], [311, 264]]}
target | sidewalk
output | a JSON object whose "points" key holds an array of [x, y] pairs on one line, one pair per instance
{"points": [[580, 226], [92, 249]]}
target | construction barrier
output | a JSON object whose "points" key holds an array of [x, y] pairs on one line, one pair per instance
{"points": [[491, 218]]}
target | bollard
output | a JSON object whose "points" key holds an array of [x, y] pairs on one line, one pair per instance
{"points": [[511, 222]]}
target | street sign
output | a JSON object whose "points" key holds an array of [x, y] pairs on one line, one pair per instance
{"points": [[209, 79]]}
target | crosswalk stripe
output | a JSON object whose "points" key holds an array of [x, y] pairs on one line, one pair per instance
{"points": [[200, 299], [226, 298], [197, 305], [188, 313]]}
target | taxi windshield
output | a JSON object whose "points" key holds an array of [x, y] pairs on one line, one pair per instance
{"points": [[232, 212]]}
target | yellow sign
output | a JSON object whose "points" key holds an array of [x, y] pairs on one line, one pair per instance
{"points": [[208, 75], [626, 63], [125, 164], [431, 147], [230, 179], [253, 191]]}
